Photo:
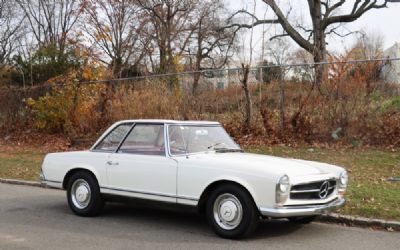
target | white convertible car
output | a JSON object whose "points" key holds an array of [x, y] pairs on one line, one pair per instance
{"points": [[194, 163]]}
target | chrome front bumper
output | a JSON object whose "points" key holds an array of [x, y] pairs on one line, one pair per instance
{"points": [[292, 211]]}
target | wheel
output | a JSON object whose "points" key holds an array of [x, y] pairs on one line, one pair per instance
{"points": [[83, 194], [231, 212], [302, 220]]}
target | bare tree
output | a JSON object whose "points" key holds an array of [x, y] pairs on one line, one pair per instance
{"points": [[326, 19], [279, 52], [51, 21], [170, 25], [114, 27], [211, 42], [10, 29], [248, 110], [245, 68], [368, 46]]}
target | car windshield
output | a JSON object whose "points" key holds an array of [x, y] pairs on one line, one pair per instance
{"points": [[197, 138]]}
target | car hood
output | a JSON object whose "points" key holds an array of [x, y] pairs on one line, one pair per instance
{"points": [[267, 164]]}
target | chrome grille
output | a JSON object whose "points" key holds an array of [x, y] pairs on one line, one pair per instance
{"points": [[313, 190]]}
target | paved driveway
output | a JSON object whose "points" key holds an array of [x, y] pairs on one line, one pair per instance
{"points": [[35, 218]]}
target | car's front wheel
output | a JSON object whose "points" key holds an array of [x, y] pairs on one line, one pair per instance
{"points": [[231, 212], [83, 194]]}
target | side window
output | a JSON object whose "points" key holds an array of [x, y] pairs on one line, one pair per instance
{"points": [[146, 139], [113, 139], [176, 139]]}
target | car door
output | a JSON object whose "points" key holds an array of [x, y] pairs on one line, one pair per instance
{"points": [[105, 146], [140, 168]]}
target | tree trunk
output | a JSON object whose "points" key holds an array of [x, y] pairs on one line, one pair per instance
{"points": [[319, 55], [117, 67], [163, 59], [105, 102], [248, 110], [319, 50], [199, 57], [196, 79], [197, 74]]}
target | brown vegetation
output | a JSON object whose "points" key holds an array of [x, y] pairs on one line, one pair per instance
{"points": [[352, 108]]}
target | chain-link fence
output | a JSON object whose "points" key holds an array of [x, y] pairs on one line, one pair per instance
{"points": [[356, 101]]}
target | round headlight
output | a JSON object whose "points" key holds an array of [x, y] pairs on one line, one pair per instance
{"points": [[343, 178], [283, 184]]}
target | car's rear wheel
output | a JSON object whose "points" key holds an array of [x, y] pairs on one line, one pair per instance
{"points": [[302, 220], [231, 211], [83, 194]]}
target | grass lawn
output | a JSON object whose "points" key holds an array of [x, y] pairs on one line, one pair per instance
{"points": [[20, 165], [369, 193]]}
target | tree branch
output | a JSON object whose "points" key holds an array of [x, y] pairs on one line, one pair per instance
{"points": [[330, 9], [248, 26], [278, 36], [333, 31], [296, 36], [357, 11]]}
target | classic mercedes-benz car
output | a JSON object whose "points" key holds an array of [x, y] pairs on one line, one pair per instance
{"points": [[194, 163]]}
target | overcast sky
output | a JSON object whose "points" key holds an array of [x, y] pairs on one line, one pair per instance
{"points": [[378, 22], [382, 21]]}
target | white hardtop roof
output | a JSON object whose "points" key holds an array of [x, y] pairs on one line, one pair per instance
{"points": [[171, 122], [161, 121]]}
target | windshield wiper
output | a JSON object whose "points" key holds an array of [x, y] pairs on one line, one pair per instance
{"points": [[215, 144], [228, 150]]}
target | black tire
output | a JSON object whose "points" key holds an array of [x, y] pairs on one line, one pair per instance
{"points": [[250, 214], [95, 202], [303, 220]]}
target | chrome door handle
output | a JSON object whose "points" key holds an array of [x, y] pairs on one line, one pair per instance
{"points": [[112, 163]]}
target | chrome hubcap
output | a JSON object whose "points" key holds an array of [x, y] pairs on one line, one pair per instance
{"points": [[80, 193], [228, 211]]}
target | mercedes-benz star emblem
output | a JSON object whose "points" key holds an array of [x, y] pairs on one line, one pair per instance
{"points": [[323, 190]]}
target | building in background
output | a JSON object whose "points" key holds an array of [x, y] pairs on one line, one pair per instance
{"points": [[391, 69]]}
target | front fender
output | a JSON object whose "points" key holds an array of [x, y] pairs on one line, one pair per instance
{"points": [[240, 181]]}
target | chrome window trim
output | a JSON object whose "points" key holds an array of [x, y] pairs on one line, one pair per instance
{"points": [[132, 128], [106, 133], [194, 125]]}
